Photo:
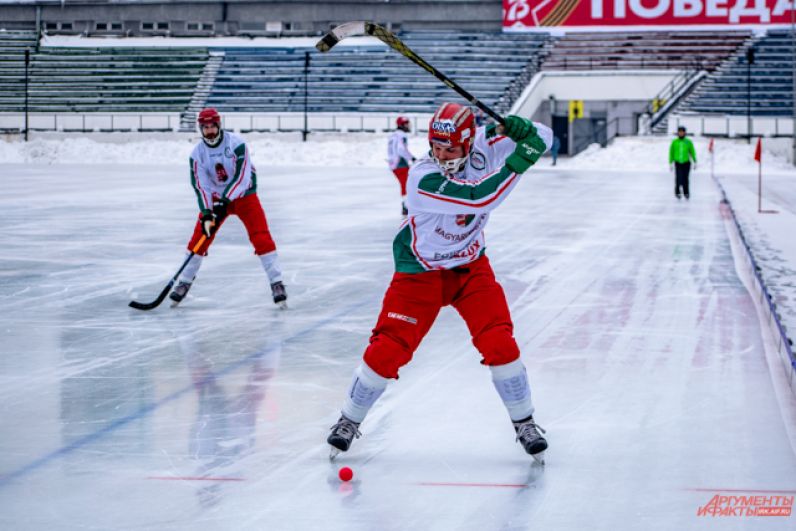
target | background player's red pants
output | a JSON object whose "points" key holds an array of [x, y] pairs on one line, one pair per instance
{"points": [[250, 212], [413, 301], [401, 174]]}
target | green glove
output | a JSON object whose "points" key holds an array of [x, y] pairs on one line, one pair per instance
{"points": [[517, 128], [527, 152]]}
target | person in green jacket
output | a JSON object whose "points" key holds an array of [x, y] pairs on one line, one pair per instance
{"points": [[681, 153]]}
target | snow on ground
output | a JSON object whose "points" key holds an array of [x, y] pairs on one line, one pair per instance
{"points": [[773, 245]]}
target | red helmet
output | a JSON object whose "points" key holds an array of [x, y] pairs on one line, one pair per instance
{"points": [[209, 116], [452, 125], [402, 122]]}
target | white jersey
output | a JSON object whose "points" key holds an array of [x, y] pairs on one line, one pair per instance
{"points": [[222, 172], [398, 155], [447, 214]]}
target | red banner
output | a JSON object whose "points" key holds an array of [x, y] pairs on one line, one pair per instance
{"points": [[524, 15]]}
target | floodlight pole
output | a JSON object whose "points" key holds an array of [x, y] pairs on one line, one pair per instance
{"points": [[750, 58], [306, 90], [27, 66]]}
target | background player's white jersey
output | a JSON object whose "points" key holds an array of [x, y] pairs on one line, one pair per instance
{"points": [[222, 172], [398, 154], [447, 214]]}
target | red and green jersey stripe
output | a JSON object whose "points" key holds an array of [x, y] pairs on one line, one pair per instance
{"points": [[404, 255], [473, 194]]}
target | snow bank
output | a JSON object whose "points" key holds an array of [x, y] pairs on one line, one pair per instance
{"points": [[283, 149], [652, 154]]}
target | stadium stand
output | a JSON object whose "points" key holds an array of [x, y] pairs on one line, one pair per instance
{"points": [[375, 78], [725, 91], [671, 50], [109, 80], [12, 67]]}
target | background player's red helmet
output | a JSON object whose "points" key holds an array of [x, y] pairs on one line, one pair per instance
{"points": [[452, 125], [402, 122], [209, 116]]}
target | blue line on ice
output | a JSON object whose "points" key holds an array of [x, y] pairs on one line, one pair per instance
{"points": [[5, 479]]}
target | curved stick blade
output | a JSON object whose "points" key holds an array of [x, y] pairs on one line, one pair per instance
{"points": [[349, 29], [154, 304]]}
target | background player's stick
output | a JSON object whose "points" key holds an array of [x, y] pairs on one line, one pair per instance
{"points": [[155, 303], [354, 29]]}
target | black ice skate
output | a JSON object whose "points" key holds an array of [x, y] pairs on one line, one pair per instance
{"points": [[343, 433], [280, 295], [179, 293], [530, 438]]}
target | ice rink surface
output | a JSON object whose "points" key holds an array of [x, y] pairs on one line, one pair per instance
{"points": [[643, 348]]}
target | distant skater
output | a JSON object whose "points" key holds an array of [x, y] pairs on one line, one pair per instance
{"points": [[399, 156], [681, 153]]}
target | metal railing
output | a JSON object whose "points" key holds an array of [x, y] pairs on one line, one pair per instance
{"points": [[626, 63], [674, 91]]}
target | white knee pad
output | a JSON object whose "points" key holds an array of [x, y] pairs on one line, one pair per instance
{"points": [[366, 387], [511, 382]]}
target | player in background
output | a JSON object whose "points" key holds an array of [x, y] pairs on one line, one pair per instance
{"points": [[439, 261], [399, 156], [225, 182], [681, 153]]}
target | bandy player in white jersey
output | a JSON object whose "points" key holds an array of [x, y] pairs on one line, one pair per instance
{"points": [[225, 183], [399, 157], [439, 261]]}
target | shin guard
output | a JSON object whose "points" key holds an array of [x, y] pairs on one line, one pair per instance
{"points": [[511, 382], [366, 387]]}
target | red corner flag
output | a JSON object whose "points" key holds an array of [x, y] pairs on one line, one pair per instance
{"points": [[759, 150], [710, 146]]}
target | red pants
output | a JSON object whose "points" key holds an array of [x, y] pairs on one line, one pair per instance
{"points": [[250, 212], [413, 301], [401, 174]]}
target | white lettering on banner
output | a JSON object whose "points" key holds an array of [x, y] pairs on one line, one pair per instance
{"points": [[716, 8], [740, 9], [518, 10], [687, 8], [596, 8], [619, 8], [782, 7], [650, 12]]}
